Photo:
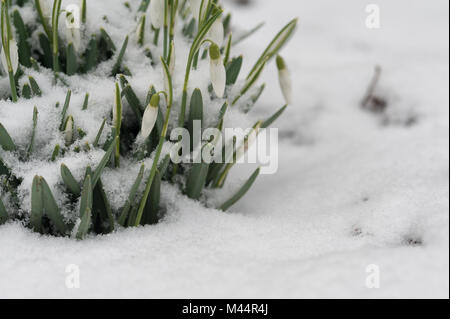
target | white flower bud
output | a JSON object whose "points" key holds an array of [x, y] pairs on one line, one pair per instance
{"points": [[150, 116], [157, 13], [217, 71], [68, 131], [285, 80], [13, 54], [216, 33]]}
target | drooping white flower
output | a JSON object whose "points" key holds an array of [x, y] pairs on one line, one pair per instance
{"points": [[14, 56], [150, 116], [72, 32], [157, 13], [217, 70], [216, 34], [68, 131], [285, 79]]}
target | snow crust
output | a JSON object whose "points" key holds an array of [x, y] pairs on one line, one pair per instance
{"points": [[353, 188]]}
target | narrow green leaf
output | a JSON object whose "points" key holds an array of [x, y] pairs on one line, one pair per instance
{"points": [[151, 209], [233, 69], [33, 131], [275, 46], [51, 208], [85, 102], [3, 213], [23, 46], [131, 197], [55, 152], [47, 54], [64, 110], [133, 101], [37, 205], [34, 86], [70, 182], [102, 209], [85, 209], [242, 191], [26, 91], [99, 134], [248, 33], [195, 114], [6, 141], [71, 60], [196, 180], [118, 64], [107, 39], [274, 117], [92, 54], [98, 171]]}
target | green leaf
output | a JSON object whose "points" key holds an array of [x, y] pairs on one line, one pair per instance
{"points": [[151, 209], [196, 180], [55, 152], [71, 60], [3, 213], [102, 209], [233, 69], [51, 208], [70, 181], [46, 50], [91, 54], [64, 110], [248, 34], [242, 191], [34, 86], [274, 117], [37, 205], [99, 134], [23, 46], [195, 114], [33, 132], [132, 99], [85, 102], [131, 197], [98, 171], [85, 208], [275, 46], [6, 141], [26, 91], [118, 64], [107, 39]]}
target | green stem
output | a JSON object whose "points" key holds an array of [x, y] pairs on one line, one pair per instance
{"points": [[162, 139], [55, 21], [43, 19]]}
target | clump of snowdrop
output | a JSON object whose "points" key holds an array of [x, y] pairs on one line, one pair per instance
{"points": [[75, 204]]}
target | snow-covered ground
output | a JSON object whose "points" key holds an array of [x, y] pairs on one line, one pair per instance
{"points": [[354, 189]]}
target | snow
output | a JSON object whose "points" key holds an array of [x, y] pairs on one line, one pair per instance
{"points": [[353, 188]]}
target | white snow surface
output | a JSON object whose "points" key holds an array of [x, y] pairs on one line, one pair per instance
{"points": [[353, 188]]}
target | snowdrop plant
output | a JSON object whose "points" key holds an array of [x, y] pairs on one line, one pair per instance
{"points": [[135, 138]]}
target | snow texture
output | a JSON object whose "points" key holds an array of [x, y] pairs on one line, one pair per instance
{"points": [[353, 188]]}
